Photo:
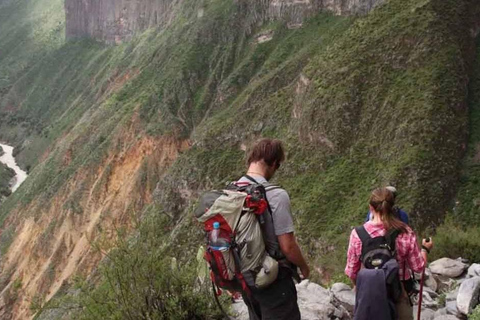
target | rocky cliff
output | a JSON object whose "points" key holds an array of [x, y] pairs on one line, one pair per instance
{"points": [[114, 21]]}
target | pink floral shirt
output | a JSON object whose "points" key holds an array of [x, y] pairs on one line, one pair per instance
{"points": [[407, 248]]}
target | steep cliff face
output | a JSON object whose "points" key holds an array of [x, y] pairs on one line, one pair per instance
{"points": [[114, 21]]}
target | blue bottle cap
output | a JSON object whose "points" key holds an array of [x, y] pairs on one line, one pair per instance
{"points": [[216, 225]]}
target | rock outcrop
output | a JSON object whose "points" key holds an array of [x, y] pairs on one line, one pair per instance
{"points": [[116, 21]]}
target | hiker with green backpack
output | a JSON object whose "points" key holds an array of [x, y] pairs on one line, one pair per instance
{"points": [[251, 246], [377, 255]]}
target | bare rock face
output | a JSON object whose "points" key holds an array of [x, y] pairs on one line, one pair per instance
{"points": [[116, 21]]}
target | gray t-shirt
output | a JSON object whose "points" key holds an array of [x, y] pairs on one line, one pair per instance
{"points": [[280, 204]]}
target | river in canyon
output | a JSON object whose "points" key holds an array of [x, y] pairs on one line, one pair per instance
{"points": [[8, 159]]}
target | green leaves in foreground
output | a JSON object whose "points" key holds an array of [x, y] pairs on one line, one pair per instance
{"points": [[142, 279], [129, 290]]}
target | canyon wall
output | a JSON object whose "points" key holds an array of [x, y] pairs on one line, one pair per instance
{"points": [[116, 21]]}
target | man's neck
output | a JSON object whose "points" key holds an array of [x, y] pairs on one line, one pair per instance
{"points": [[254, 173], [256, 169]]}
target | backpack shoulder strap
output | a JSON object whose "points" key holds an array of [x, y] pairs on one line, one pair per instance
{"points": [[267, 184], [362, 234], [391, 238], [251, 179]]}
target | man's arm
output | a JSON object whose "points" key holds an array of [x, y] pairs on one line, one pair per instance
{"points": [[291, 250]]}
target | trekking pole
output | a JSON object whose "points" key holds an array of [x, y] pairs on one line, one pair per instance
{"points": [[421, 295], [421, 289]]}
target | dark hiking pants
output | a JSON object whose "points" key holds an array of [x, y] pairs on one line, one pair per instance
{"points": [[276, 302]]}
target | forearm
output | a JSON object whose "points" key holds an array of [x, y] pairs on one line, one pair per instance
{"points": [[425, 257], [295, 256]]}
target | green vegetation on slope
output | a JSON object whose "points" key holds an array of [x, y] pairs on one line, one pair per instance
{"points": [[458, 236], [141, 279], [382, 104], [29, 31]]}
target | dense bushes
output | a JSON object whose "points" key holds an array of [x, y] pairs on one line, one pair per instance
{"points": [[141, 279]]}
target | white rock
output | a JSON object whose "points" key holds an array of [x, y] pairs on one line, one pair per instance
{"points": [[430, 280], [430, 292], [468, 294], [344, 296], [428, 301], [240, 310], [451, 307], [440, 312], [445, 284], [313, 301], [448, 267], [313, 292], [342, 313], [446, 317], [452, 295], [474, 270], [427, 314]]}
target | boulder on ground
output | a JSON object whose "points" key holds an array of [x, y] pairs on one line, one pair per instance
{"points": [[444, 283], [446, 317], [474, 270], [314, 302], [452, 295], [440, 312], [343, 295], [468, 294], [428, 301], [427, 314], [240, 310], [430, 292], [430, 280], [451, 307], [448, 267]]}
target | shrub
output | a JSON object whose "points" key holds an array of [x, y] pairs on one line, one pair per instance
{"points": [[476, 314], [140, 281]]}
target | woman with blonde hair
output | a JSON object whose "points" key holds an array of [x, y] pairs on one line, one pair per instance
{"points": [[405, 250]]}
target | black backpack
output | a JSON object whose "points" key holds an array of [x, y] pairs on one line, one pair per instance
{"points": [[376, 252]]}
